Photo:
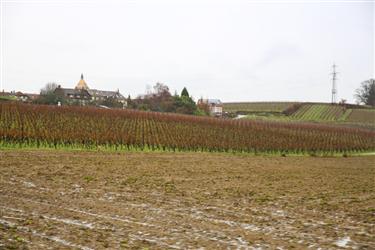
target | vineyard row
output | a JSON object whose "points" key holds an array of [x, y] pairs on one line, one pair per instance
{"points": [[34, 125]]}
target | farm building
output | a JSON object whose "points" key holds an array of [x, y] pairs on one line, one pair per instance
{"points": [[215, 106], [32, 97], [83, 94], [22, 96]]}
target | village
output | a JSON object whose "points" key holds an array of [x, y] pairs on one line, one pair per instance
{"points": [[83, 95]]}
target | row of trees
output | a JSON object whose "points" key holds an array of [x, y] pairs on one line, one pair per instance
{"points": [[161, 100]]}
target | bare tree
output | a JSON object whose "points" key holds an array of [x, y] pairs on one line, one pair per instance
{"points": [[161, 89], [366, 93], [49, 88]]}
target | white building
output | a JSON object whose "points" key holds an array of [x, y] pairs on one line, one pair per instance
{"points": [[215, 106]]}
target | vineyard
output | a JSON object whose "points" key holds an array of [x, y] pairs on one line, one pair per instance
{"points": [[362, 116], [348, 114], [320, 112], [256, 106], [72, 127]]}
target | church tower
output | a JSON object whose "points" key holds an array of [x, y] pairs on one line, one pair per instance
{"points": [[82, 84]]}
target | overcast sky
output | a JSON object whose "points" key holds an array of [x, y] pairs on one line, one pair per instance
{"points": [[234, 50]]}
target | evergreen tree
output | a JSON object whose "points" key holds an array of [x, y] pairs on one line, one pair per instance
{"points": [[184, 92]]}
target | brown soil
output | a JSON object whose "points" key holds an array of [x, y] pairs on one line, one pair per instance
{"points": [[96, 200]]}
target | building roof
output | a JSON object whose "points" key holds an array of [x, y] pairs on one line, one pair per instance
{"points": [[82, 84], [33, 96], [5, 93], [82, 88], [105, 93], [66, 91], [214, 101], [19, 93]]}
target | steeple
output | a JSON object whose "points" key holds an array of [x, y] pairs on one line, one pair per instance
{"points": [[82, 84]]}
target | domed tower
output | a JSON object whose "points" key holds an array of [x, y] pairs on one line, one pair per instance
{"points": [[82, 84]]}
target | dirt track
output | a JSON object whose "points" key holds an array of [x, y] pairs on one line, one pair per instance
{"points": [[89, 200]]}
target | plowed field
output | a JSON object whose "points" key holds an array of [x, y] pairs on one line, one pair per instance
{"points": [[96, 200]]}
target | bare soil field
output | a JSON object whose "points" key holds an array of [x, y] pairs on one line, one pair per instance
{"points": [[96, 200]]}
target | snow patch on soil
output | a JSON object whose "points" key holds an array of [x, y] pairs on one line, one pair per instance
{"points": [[116, 217], [63, 220], [343, 242], [155, 240], [29, 184], [42, 235], [71, 222]]}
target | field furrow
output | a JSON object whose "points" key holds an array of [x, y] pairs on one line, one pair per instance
{"points": [[180, 201]]}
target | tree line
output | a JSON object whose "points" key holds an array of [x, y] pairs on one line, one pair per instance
{"points": [[159, 99]]}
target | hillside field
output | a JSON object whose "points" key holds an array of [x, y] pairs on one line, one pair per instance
{"points": [[320, 112], [313, 112], [362, 116], [327, 112], [94, 200], [256, 106]]}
